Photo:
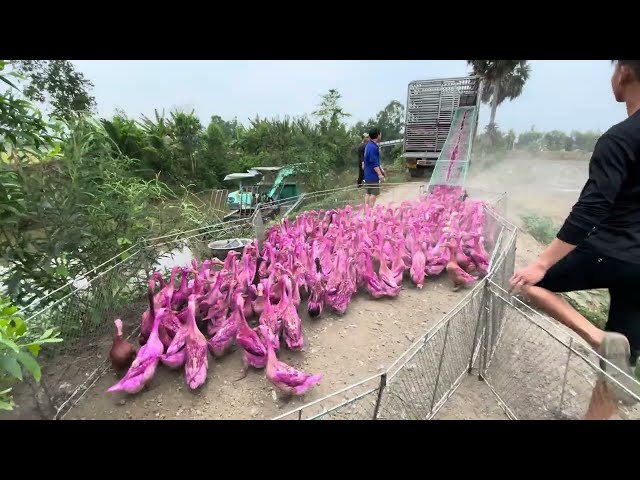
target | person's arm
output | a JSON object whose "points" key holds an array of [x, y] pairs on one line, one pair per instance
{"points": [[376, 161], [366, 157], [556, 251]]}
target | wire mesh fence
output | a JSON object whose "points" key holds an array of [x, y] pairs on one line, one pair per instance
{"points": [[85, 308], [540, 370], [535, 368], [420, 382], [394, 193], [354, 402], [214, 201], [117, 289]]}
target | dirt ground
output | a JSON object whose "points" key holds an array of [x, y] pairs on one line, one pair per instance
{"points": [[368, 338]]}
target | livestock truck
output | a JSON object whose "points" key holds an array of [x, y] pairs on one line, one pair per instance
{"points": [[433, 107]]}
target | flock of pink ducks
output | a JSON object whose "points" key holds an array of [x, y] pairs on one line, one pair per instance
{"points": [[322, 258]]}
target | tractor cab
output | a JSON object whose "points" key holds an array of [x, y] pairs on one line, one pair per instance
{"points": [[267, 188], [245, 198]]}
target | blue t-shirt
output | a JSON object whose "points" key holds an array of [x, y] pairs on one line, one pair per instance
{"points": [[371, 160]]}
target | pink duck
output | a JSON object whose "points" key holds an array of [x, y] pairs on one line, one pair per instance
{"points": [[376, 288], [179, 298], [166, 294], [224, 337], [254, 351], [213, 296], [271, 319], [315, 303], [247, 306], [437, 258], [196, 361], [478, 255], [175, 360], [397, 264], [291, 323], [144, 366], [256, 294], [158, 276], [149, 315], [386, 275], [190, 341], [285, 378], [456, 274], [341, 284], [418, 262], [170, 324]]}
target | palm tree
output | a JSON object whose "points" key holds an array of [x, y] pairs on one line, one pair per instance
{"points": [[502, 79]]}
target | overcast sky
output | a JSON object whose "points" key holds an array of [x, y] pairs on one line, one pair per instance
{"points": [[565, 95]]}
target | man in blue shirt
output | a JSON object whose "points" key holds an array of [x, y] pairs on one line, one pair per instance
{"points": [[373, 172]]}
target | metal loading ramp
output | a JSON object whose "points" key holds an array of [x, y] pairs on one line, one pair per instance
{"points": [[453, 162]]}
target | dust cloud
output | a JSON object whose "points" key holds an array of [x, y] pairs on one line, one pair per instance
{"points": [[534, 184]]}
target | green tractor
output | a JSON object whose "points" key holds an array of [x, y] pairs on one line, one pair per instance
{"points": [[266, 187]]}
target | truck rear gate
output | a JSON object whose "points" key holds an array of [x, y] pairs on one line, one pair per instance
{"points": [[431, 105]]}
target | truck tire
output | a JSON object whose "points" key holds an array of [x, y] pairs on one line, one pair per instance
{"points": [[417, 172]]}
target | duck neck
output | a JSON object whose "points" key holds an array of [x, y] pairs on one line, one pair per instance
{"points": [[151, 299], [191, 318], [156, 322]]}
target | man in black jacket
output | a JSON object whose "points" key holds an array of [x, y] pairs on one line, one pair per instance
{"points": [[598, 246], [363, 145]]}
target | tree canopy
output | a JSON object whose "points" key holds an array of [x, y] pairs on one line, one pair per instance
{"points": [[503, 79], [57, 83]]}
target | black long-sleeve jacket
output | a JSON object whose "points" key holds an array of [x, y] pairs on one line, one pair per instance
{"points": [[361, 155], [606, 216]]}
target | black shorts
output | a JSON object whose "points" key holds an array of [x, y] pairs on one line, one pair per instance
{"points": [[586, 269], [373, 188], [360, 178]]}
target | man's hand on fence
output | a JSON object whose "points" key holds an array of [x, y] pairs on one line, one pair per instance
{"points": [[529, 275]]}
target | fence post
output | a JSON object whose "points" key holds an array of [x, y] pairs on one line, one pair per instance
{"points": [[488, 323], [383, 384], [444, 347], [479, 325], [566, 370]]}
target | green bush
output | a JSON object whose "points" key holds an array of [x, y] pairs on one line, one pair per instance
{"points": [[541, 228], [18, 351]]}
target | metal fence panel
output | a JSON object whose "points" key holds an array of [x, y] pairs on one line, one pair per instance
{"points": [[117, 289], [86, 308], [541, 370], [425, 376], [355, 402]]}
